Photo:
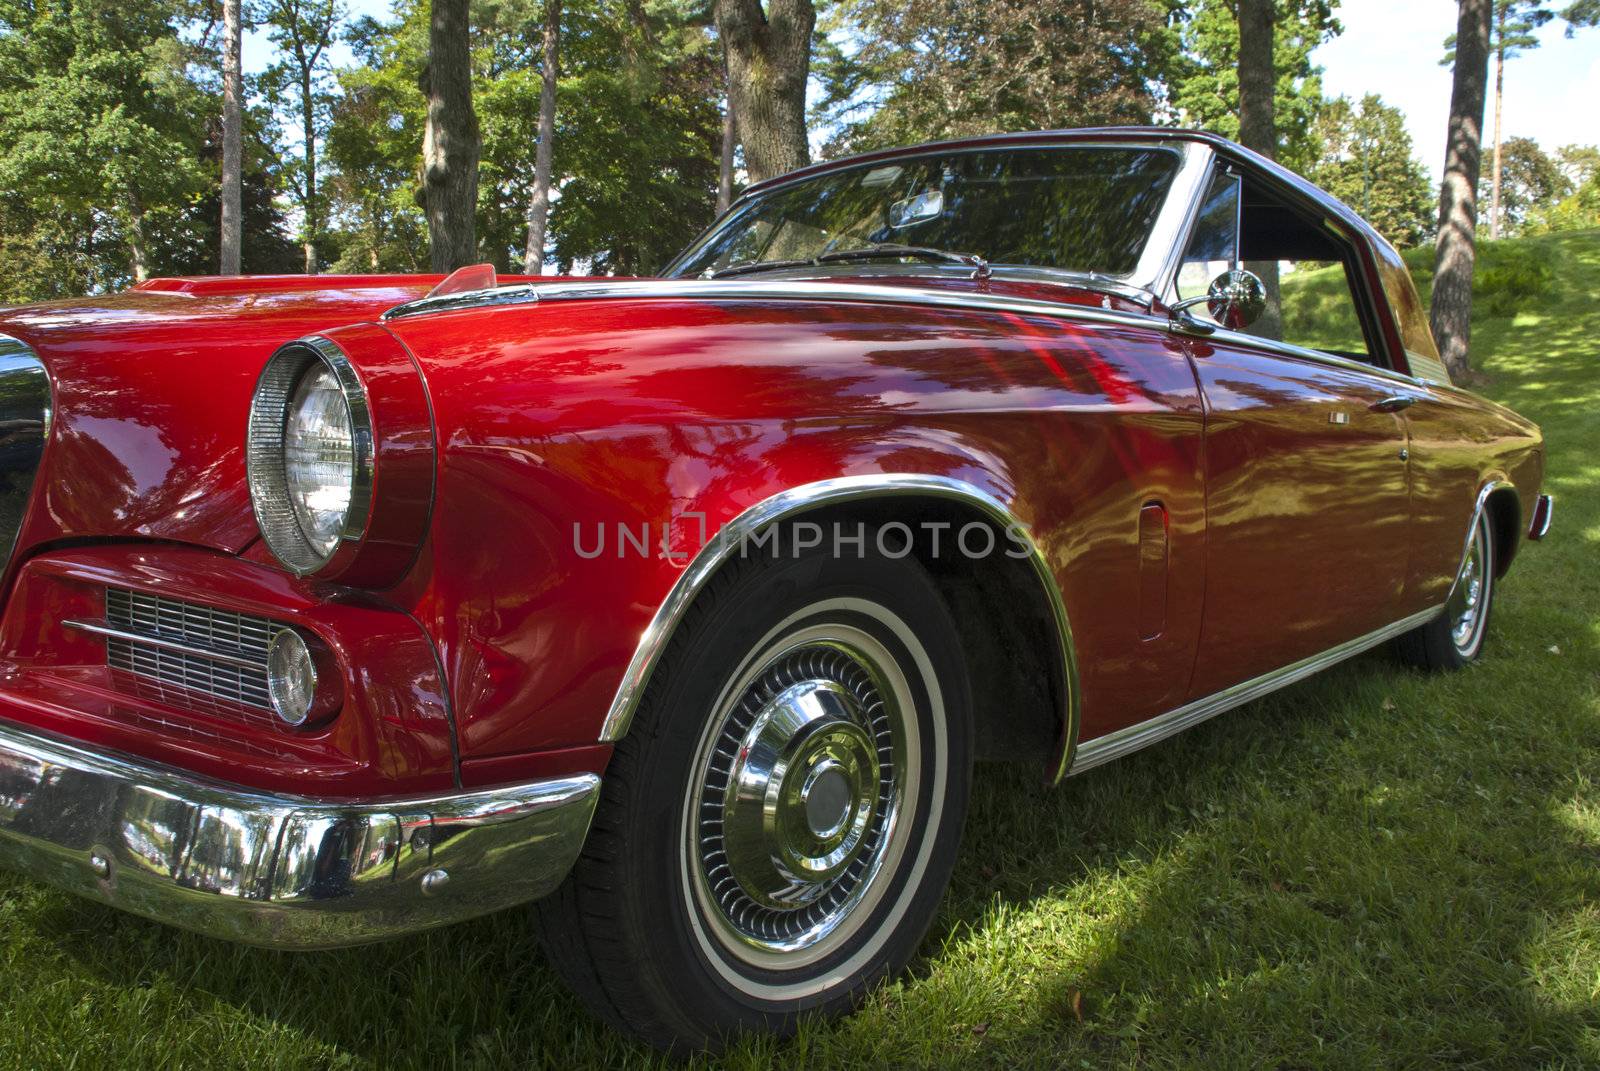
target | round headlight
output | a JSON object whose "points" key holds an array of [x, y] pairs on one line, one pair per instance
{"points": [[310, 454], [319, 458]]}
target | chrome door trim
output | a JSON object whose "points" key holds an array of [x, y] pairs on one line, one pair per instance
{"points": [[1289, 349], [802, 499], [1104, 749]]}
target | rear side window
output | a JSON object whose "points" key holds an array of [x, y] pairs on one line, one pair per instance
{"points": [[1410, 317]]}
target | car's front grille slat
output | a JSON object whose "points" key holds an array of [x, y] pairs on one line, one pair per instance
{"points": [[218, 653]]}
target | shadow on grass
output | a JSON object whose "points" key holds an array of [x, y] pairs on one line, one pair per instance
{"points": [[1313, 874]]}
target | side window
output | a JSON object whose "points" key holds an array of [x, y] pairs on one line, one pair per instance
{"points": [[1308, 266], [1214, 245], [1317, 299]]}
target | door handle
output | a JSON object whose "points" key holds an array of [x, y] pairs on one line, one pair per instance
{"points": [[1394, 403]]}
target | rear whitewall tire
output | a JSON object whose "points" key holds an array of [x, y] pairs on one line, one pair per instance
{"points": [[1456, 637]]}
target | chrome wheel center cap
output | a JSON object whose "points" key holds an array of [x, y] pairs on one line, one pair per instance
{"points": [[827, 797], [805, 789]]}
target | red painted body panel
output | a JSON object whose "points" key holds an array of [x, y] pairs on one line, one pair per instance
{"points": [[151, 392], [636, 413], [394, 729], [493, 654]]}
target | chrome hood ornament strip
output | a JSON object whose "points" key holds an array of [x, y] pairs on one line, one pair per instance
{"points": [[759, 290]]}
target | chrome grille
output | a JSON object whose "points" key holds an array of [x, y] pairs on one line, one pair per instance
{"points": [[200, 630]]}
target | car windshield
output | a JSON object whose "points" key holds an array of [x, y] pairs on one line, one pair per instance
{"points": [[1078, 208]]}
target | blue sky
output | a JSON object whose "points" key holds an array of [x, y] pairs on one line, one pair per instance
{"points": [[1392, 47]]}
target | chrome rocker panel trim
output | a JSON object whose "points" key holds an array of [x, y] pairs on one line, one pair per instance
{"points": [[810, 496], [278, 871], [1115, 745]]}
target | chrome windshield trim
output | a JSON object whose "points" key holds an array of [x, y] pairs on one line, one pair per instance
{"points": [[1115, 745], [798, 500], [26, 409], [100, 628], [280, 871], [1163, 253]]}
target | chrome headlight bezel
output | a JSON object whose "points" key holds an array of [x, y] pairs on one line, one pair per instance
{"points": [[266, 461]]}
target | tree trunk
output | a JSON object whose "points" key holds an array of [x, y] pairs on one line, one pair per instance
{"points": [[539, 205], [1258, 130], [450, 144], [308, 117], [769, 59], [725, 167], [137, 261], [1257, 78], [1499, 98], [1451, 312], [232, 138]]}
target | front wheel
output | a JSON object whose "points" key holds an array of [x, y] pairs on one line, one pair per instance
{"points": [[776, 831], [1456, 636]]}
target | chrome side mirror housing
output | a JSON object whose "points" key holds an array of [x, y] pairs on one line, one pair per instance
{"points": [[1236, 299]]}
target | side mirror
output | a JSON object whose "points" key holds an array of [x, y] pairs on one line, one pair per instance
{"points": [[1236, 299]]}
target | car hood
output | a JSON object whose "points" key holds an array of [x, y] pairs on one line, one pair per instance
{"points": [[150, 394]]}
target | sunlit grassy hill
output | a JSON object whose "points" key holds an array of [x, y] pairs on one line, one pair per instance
{"points": [[1518, 280]]}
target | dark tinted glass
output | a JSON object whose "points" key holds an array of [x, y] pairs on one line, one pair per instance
{"points": [[1081, 208]]}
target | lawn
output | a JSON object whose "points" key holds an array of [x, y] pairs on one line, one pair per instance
{"points": [[1373, 867]]}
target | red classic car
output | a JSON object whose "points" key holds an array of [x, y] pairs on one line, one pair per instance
{"points": [[336, 610]]}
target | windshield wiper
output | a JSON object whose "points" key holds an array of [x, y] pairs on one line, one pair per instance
{"points": [[893, 251], [760, 265], [885, 251]]}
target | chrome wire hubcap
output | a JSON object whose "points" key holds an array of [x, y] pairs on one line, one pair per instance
{"points": [[1465, 611], [799, 793]]}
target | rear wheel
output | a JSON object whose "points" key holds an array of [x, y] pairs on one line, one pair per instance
{"points": [[777, 828], [1456, 636]]}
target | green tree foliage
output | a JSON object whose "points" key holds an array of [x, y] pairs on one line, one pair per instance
{"points": [[1532, 184], [635, 145], [1204, 79], [299, 85], [1577, 206], [916, 70], [101, 138], [1366, 159], [374, 147]]}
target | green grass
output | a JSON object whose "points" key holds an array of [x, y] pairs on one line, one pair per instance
{"points": [[1373, 867]]}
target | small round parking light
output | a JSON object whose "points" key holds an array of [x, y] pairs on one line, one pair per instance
{"points": [[291, 677]]}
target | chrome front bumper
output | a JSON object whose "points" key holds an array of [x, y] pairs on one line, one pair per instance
{"points": [[279, 871]]}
